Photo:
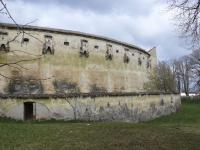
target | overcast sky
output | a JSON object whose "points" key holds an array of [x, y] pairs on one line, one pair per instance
{"points": [[145, 23]]}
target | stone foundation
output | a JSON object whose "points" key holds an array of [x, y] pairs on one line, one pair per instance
{"points": [[105, 108]]}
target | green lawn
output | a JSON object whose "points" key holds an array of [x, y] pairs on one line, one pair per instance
{"points": [[178, 131]]}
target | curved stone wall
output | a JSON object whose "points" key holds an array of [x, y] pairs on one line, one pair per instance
{"points": [[87, 77], [68, 61], [124, 108]]}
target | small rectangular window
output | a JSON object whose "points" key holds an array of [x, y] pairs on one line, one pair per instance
{"points": [[3, 33], [25, 40], [139, 61], [96, 46], [66, 43], [48, 36]]}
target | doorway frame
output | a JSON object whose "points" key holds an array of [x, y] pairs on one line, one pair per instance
{"points": [[33, 115]]}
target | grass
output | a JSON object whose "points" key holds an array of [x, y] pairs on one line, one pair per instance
{"points": [[177, 131]]}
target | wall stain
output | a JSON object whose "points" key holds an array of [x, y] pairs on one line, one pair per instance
{"points": [[62, 86], [25, 85], [95, 89]]}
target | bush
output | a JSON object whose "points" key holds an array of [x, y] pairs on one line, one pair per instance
{"points": [[190, 99]]}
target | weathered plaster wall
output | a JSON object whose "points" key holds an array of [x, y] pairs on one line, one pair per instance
{"points": [[126, 108], [67, 70], [66, 65]]}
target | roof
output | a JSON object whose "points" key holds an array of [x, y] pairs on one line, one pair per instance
{"points": [[62, 31]]}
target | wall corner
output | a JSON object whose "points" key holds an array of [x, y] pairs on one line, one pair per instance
{"points": [[153, 57]]}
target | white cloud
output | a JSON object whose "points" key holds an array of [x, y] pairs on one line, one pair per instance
{"points": [[143, 23]]}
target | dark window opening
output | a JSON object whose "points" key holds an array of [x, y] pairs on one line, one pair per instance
{"points": [[29, 111], [117, 51], [139, 61], [48, 49], [126, 58], [48, 36], [3, 47], [84, 51], [3, 33], [66, 43], [25, 40], [109, 53], [96, 46], [132, 54], [48, 45]]}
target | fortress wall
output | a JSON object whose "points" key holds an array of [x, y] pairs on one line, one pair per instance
{"points": [[124, 108], [67, 66], [79, 64]]}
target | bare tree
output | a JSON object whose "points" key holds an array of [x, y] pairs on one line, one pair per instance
{"points": [[73, 104], [176, 76], [187, 72], [188, 18], [161, 79], [183, 72], [195, 69], [21, 32]]}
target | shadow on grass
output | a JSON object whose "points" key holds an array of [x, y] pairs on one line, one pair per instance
{"points": [[51, 121]]}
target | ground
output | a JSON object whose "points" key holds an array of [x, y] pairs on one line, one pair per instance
{"points": [[178, 131]]}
